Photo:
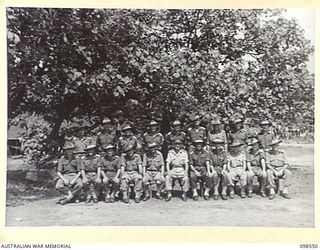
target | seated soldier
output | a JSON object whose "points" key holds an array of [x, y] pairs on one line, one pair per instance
{"points": [[110, 171], [218, 164], [69, 182], [91, 174], [256, 166], [236, 167], [277, 168], [153, 170], [131, 170], [177, 168], [200, 169]]}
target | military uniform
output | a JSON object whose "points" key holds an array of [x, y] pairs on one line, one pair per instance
{"points": [[110, 166], [126, 142], [198, 161], [153, 138], [153, 164], [91, 180], [104, 139], [255, 162], [172, 136], [240, 135], [277, 160], [131, 173], [217, 160], [177, 163], [236, 169], [69, 169], [265, 139]]}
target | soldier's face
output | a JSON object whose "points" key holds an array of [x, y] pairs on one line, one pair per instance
{"points": [[197, 123], [69, 152], [219, 147], [153, 150], [109, 153], [130, 152], [177, 128], [121, 118], [177, 146], [198, 146], [127, 132], [215, 127], [236, 150], [81, 133], [153, 128], [91, 152], [264, 127], [255, 146]]}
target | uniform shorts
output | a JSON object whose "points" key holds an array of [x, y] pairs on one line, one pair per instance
{"points": [[153, 176]]}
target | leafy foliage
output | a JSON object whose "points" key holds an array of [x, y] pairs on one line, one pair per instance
{"points": [[164, 64]]}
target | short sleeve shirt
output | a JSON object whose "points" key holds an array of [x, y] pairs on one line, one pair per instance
{"points": [[110, 165], [265, 139], [125, 142], [79, 145], [197, 134], [66, 166], [130, 163], [104, 139], [240, 135], [198, 160], [277, 159], [236, 160], [177, 159], [89, 164], [220, 135], [218, 159], [255, 158], [156, 138], [171, 137], [153, 162]]}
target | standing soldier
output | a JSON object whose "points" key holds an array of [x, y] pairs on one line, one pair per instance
{"points": [[175, 134], [277, 168], [91, 174], [110, 171], [238, 133], [153, 136], [69, 182], [265, 136], [256, 165], [81, 142], [153, 170], [236, 168], [200, 169], [248, 127], [215, 132], [177, 166], [195, 132], [121, 122], [131, 169], [218, 164], [128, 140], [107, 136]]}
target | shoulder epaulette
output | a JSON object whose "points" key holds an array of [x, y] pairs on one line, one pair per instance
{"points": [[145, 134], [202, 127], [189, 129], [97, 155], [183, 133], [116, 156]]}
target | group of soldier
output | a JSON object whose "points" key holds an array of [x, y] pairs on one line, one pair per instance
{"points": [[115, 162]]}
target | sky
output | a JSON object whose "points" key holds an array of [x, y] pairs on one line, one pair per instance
{"points": [[307, 19]]}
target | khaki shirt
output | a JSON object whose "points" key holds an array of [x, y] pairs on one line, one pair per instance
{"points": [[197, 134], [265, 139], [177, 160], [276, 159], [220, 135], [153, 162], [66, 166], [218, 158], [104, 139], [155, 138], [130, 163], [255, 158], [171, 137], [240, 135], [236, 160], [90, 164], [110, 165], [125, 142], [198, 160]]}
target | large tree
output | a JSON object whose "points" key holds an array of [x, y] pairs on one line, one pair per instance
{"points": [[157, 63]]}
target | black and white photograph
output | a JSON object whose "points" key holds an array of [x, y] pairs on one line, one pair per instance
{"points": [[160, 117]]}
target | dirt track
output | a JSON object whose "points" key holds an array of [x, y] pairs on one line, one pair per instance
{"points": [[297, 212]]}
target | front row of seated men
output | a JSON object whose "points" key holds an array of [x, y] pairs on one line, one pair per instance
{"points": [[108, 174]]}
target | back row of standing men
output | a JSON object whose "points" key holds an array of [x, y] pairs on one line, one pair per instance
{"points": [[212, 157]]}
